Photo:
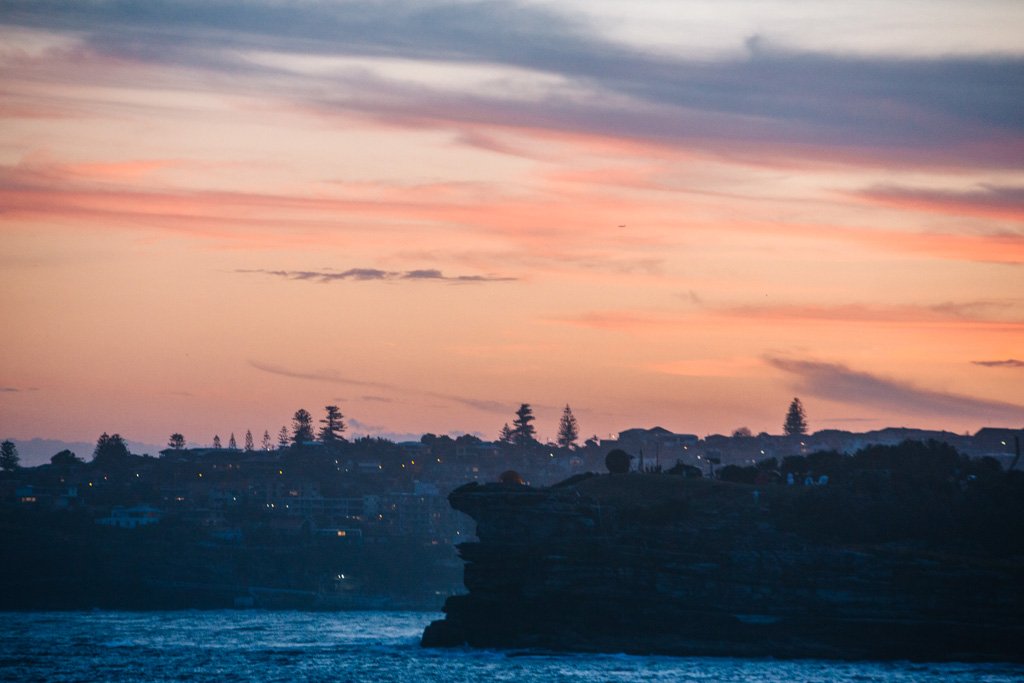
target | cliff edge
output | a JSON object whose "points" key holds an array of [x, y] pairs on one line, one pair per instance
{"points": [[652, 563]]}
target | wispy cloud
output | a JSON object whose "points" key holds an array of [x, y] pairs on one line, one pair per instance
{"points": [[836, 382], [318, 376], [767, 102], [990, 201], [1004, 312], [1008, 363], [477, 404], [369, 274]]}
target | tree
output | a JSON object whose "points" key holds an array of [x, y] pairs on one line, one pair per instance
{"points": [[282, 437], [216, 440], [177, 441], [505, 437], [568, 428], [617, 461], [249, 446], [232, 444], [333, 425], [522, 431], [302, 427], [110, 450], [742, 433], [266, 440], [796, 420], [64, 458], [8, 456]]}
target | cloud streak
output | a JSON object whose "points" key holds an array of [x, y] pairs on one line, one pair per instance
{"points": [[1007, 313], [988, 201], [374, 274], [836, 382], [319, 376], [1008, 363], [477, 404]]}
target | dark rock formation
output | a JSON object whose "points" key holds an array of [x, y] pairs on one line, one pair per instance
{"points": [[662, 564]]}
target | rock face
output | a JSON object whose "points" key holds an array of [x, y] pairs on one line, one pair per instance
{"points": [[642, 563]]}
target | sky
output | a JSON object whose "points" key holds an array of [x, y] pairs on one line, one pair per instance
{"points": [[213, 213]]}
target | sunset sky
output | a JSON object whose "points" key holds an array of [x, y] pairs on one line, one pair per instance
{"points": [[683, 214]]}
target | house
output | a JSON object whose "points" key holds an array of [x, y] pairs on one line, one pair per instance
{"points": [[131, 518]]}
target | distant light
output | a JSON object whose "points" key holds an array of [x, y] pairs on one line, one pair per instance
{"points": [[1003, 442], [341, 532], [200, 475], [280, 471], [412, 462]]}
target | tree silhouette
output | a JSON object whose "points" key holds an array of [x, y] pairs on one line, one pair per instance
{"points": [[742, 433], [302, 427], [216, 440], [8, 456], [232, 444], [333, 425], [506, 436], [249, 446], [568, 428], [282, 437], [617, 461], [522, 431], [111, 450], [796, 420], [266, 440], [177, 441], [65, 458]]}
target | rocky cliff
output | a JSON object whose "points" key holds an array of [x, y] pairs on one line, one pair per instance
{"points": [[646, 563]]}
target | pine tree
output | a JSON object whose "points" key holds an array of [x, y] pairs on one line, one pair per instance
{"points": [[110, 451], [232, 444], [302, 427], [282, 437], [216, 440], [8, 456], [333, 425], [266, 440], [796, 420], [568, 428], [249, 446], [177, 441], [522, 431], [505, 437]]}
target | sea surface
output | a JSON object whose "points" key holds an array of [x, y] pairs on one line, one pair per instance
{"points": [[367, 646]]}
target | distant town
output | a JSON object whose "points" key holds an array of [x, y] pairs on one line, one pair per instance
{"points": [[312, 519]]}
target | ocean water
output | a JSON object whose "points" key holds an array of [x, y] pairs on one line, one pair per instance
{"points": [[367, 646]]}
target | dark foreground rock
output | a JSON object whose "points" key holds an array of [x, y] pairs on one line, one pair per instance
{"points": [[643, 563]]}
